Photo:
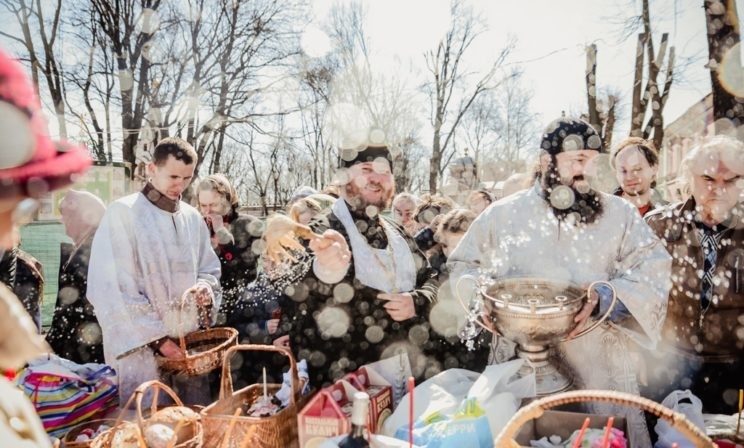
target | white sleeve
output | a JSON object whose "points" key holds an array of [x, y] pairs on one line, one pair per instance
{"points": [[642, 279], [124, 312]]}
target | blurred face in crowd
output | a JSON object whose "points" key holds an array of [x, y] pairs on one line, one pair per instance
{"points": [[403, 212], [634, 173], [449, 241], [211, 202], [477, 202], [370, 183], [172, 177], [716, 190]]}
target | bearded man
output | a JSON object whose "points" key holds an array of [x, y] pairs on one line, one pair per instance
{"points": [[563, 229], [375, 302]]}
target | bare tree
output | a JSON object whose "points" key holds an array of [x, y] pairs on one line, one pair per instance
{"points": [[381, 106], [722, 21], [93, 83], [653, 95], [38, 30], [128, 26], [450, 91], [601, 114], [314, 98], [500, 129]]}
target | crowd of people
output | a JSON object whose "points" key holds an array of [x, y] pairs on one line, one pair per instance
{"points": [[369, 272]]}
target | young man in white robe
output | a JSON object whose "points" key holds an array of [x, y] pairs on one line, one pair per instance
{"points": [[150, 250], [563, 229]]}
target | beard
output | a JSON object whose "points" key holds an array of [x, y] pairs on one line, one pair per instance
{"points": [[587, 205], [353, 195]]}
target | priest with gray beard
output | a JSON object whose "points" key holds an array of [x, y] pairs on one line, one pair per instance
{"points": [[563, 229]]}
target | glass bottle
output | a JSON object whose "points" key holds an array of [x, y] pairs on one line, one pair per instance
{"points": [[359, 411]]}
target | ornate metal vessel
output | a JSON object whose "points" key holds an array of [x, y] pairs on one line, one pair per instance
{"points": [[536, 314]]}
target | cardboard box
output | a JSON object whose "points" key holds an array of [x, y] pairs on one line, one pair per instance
{"points": [[563, 424], [380, 395], [328, 413]]}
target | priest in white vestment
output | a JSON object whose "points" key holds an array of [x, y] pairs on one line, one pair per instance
{"points": [[150, 249], [563, 229]]}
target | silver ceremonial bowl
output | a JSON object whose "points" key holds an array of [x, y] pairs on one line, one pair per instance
{"points": [[536, 314]]}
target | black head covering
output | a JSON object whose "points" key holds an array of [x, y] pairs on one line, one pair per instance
{"points": [[351, 156], [570, 134]]}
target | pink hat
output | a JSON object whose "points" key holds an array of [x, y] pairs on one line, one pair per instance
{"points": [[31, 164]]}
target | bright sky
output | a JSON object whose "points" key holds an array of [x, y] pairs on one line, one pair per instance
{"points": [[551, 37]]}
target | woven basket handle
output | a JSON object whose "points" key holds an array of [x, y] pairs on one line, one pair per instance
{"points": [[535, 409], [226, 388], [139, 393]]}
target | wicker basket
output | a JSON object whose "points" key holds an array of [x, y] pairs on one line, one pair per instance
{"points": [[69, 438], [206, 347], [536, 408], [191, 434], [276, 431]]}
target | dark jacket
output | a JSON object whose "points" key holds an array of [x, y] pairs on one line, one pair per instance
{"points": [[22, 273], [368, 332], [710, 335], [75, 333], [237, 259], [259, 303]]}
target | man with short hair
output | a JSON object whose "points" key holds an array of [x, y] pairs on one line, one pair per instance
{"points": [[636, 163], [703, 344], [150, 250], [374, 301], [563, 229]]}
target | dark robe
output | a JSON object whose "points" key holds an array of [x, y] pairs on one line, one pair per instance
{"points": [[22, 273], [237, 260], [330, 357], [75, 333]]}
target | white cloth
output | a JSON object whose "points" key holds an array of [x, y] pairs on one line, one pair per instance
{"points": [[142, 260], [519, 236], [367, 268]]}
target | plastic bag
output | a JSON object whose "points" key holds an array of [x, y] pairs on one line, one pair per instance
{"points": [[692, 410], [65, 393], [445, 401], [467, 427]]}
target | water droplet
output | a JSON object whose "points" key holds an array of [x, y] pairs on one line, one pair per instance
{"points": [[374, 334], [343, 292], [148, 21], [562, 197], [314, 42], [333, 322]]}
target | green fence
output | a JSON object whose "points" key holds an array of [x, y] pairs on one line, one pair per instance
{"points": [[42, 240]]}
